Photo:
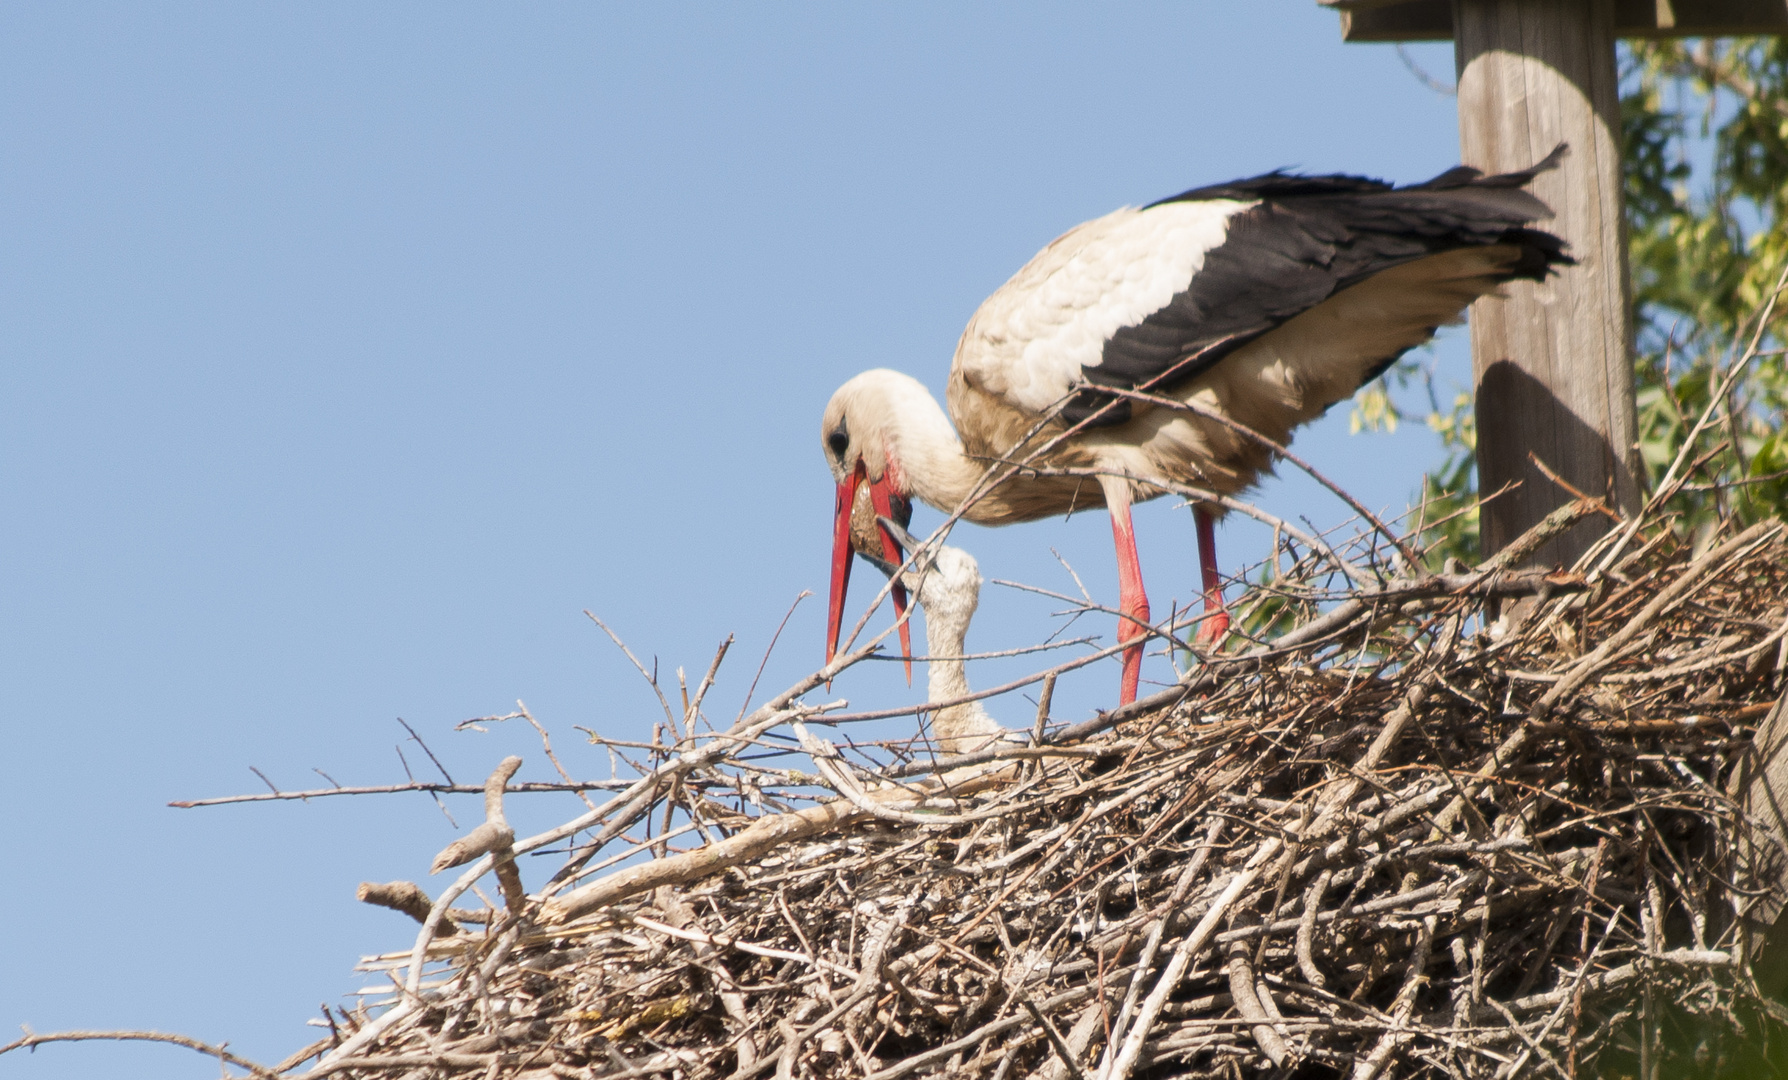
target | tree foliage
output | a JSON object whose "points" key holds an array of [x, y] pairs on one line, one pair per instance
{"points": [[1705, 132]]}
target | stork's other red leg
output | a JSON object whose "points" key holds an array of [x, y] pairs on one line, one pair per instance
{"points": [[1215, 626], [1133, 603]]}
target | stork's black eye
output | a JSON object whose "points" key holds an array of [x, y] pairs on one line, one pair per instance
{"points": [[838, 441]]}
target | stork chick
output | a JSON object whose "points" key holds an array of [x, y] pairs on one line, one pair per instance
{"points": [[946, 583]]}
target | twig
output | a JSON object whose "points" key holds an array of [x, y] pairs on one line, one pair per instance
{"points": [[1306, 939], [417, 739], [707, 683], [1247, 1004], [33, 1040], [529, 787], [651, 680], [768, 649], [742, 946], [1045, 697], [1206, 495], [404, 896], [1244, 430], [1591, 501], [1062, 1052]]}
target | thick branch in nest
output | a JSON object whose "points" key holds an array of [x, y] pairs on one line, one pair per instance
{"points": [[494, 837]]}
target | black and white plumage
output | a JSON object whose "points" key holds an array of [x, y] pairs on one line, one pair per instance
{"points": [[1264, 300]]}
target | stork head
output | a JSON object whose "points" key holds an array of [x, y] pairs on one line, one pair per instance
{"points": [[859, 434], [945, 579]]}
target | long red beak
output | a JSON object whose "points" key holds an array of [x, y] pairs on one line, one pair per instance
{"points": [[881, 496]]}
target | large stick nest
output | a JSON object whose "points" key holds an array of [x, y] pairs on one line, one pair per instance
{"points": [[1407, 836]]}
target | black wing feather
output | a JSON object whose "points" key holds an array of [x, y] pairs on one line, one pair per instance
{"points": [[1306, 239]]}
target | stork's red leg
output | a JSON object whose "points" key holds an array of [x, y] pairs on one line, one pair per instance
{"points": [[1215, 626], [1133, 603]]}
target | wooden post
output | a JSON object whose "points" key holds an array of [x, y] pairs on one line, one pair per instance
{"points": [[1552, 361], [1760, 850]]}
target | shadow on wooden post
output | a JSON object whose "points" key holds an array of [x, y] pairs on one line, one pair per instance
{"points": [[1553, 359]]}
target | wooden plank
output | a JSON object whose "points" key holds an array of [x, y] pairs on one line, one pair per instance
{"points": [[1421, 20], [1700, 18], [1432, 20], [1552, 360]]}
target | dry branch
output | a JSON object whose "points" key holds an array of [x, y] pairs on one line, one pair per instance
{"points": [[407, 897], [33, 1040]]}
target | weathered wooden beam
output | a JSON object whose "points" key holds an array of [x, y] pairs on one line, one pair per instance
{"points": [[1432, 20], [1408, 20], [1552, 360]]}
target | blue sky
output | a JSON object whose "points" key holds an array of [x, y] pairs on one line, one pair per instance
{"points": [[351, 350]]}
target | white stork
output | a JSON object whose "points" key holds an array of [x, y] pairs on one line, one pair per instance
{"points": [[1262, 301]]}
